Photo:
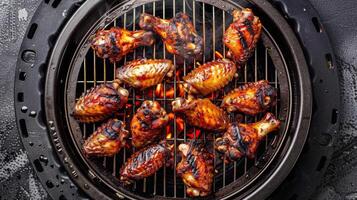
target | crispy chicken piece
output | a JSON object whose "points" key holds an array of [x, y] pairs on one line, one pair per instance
{"points": [[148, 123], [100, 102], [107, 140], [117, 42], [242, 35], [144, 73], [201, 113], [251, 98], [196, 169], [210, 77], [178, 34], [243, 139], [146, 162]]}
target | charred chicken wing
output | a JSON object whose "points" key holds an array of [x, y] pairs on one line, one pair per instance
{"points": [[147, 124], [146, 162], [107, 140], [178, 34], [144, 73], [242, 35], [117, 42], [210, 77], [196, 169], [243, 139], [201, 113], [100, 102], [251, 98]]}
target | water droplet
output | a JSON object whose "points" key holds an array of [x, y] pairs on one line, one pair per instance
{"points": [[24, 109], [33, 114], [44, 159]]}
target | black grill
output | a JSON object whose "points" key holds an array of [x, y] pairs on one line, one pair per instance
{"points": [[210, 22]]}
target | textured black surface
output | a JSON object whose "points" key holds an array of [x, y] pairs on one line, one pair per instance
{"points": [[17, 180]]}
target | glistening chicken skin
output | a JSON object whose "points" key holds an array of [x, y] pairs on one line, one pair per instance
{"points": [[210, 77], [146, 162], [144, 73], [251, 98], [243, 139], [107, 140], [242, 35], [117, 42], [201, 113], [178, 34], [148, 123], [196, 169], [100, 102]]}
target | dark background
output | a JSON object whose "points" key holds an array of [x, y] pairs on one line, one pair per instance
{"points": [[339, 17]]}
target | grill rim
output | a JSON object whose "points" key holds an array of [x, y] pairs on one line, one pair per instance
{"points": [[50, 79]]}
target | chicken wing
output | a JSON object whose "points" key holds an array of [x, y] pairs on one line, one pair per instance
{"points": [[196, 169], [201, 113], [146, 162], [243, 139], [251, 98], [242, 35], [117, 42], [144, 73], [147, 124], [100, 102], [107, 140], [210, 77], [178, 34]]}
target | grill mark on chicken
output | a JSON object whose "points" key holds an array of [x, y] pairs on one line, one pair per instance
{"points": [[100, 102], [107, 140], [145, 162], [243, 139]]}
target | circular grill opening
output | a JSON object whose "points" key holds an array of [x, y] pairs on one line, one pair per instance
{"points": [[79, 69]]}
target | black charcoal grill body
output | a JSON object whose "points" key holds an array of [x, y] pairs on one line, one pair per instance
{"points": [[56, 65]]}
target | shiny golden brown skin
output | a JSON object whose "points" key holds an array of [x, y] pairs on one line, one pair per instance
{"points": [[178, 34], [107, 140], [242, 35], [196, 169], [148, 123], [210, 77], [145, 162], [201, 113], [117, 42], [251, 98], [243, 139], [100, 102], [144, 73]]}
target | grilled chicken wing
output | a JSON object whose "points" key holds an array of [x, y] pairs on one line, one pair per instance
{"points": [[196, 169], [100, 102], [201, 113], [251, 98], [242, 35], [243, 139], [147, 124], [210, 77], [178, 34], [144, 73], [146, 162], [107, 140], [117, 42]]}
